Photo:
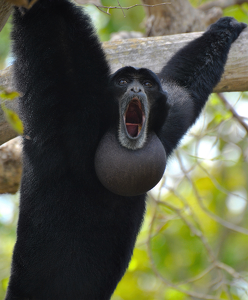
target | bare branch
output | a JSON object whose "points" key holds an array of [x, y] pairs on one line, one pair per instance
{"points": [[208, 212], [22, 3], [155, 270], [220, 3], [233, 111], [101, 7], [231, 271], [199, 276], [5, 11]]}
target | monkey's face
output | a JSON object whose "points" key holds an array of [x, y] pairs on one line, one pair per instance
{"points": [[133, 161], [139, 95]]}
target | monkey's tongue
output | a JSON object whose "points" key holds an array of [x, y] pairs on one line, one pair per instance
{"points": [[132, 129]]}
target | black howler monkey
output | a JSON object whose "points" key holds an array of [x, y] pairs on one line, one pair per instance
{"points": [[75, 237]]}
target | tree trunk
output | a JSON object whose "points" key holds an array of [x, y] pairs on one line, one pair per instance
{"points": [[177, 17]]}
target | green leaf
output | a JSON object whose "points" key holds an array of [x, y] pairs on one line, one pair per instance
{"points": [[8, 95], [13, 119]]}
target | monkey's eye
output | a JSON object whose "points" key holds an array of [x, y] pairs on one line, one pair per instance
{"points": [[147, 84], [122, 82]]}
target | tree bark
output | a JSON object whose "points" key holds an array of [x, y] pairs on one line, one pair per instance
{"points": [[10, 166], [179, 16], [5, 11]]}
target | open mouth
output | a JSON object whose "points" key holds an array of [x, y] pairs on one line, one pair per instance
{"points": [[134, 118]]}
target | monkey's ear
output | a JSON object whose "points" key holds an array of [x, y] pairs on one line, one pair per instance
{"points": [[129, 172], [22, 3]]}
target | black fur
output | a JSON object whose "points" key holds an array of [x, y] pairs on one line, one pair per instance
{"points": [[74, 237]]}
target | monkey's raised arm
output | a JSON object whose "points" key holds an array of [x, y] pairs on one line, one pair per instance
{"points": [[62, 74], [74, 237], [190, 76]]}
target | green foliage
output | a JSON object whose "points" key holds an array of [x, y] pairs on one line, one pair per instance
{"points": [[118, 20], [6, 95], [199, 220], [4, 44], [239, 12], [8, 204], [13, 119], [10, 115]]}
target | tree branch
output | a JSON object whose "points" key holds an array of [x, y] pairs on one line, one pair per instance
{"points": [[233, 111], [153, 53], [10, 166], [220, 3], [177, 17], [5, 11]]}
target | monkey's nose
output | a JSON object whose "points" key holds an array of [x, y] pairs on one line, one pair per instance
{"points": [[136, 89]]}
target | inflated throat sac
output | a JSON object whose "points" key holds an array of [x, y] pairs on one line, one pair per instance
{"points": [[129, 172]]}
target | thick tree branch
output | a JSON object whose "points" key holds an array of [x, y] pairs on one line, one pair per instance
{"points": [[153, 53], [10, 166]]}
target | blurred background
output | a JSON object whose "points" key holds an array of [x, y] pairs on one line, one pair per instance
{"points": [[194, 240]]}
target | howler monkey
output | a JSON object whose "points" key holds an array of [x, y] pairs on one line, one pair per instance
{"points": [[75, 237]]}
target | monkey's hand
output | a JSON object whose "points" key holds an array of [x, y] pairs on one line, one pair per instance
{"points": [[227, 28]]}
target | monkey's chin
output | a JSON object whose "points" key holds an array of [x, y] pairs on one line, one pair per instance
{"points": [[129, 172]]}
